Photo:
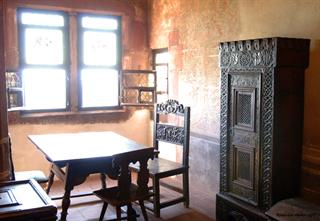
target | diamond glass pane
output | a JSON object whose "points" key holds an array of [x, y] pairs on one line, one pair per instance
{"points": [[99, 48], [100, 87], [43, 46], [33, 18], [146, 97], [99, 23], [244, 109], [44, 88]]}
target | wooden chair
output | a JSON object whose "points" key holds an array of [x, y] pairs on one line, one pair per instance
{"points": [[126, 192], [161, 168], [37, 175]]}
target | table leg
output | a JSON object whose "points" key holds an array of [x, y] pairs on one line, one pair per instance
{"points": [[50, 181], [131, 213], [65, 204], [75, 174]]}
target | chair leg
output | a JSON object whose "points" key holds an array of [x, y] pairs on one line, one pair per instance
{"points": [[156, 197], [103, 179], [103, 211], [131, 213], [185, 177], [50, 181], [143, 210], [118, 209]]}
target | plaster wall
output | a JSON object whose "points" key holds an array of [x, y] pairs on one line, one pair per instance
{"points": [[192, 29]]}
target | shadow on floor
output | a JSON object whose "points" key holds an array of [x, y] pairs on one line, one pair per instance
{"points": [[88, 208]]}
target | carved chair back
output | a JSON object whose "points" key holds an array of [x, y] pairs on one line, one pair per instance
{"points": [[121, 164], [172, 132]]}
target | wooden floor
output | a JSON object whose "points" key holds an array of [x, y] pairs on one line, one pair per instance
{"points": [[88, 208]]}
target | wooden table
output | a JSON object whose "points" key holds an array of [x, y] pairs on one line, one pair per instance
{"points": [[83, 154], [25, 201]]}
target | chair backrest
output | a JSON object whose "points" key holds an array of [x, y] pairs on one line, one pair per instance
{"points": [[172, 132], [121, 163]]}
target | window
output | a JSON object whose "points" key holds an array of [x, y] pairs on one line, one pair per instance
{"points": [[160, 64], [45, 61], [99, 61]]}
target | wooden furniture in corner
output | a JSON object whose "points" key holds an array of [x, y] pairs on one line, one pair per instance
{"points": [[126, 192], [160, 168], [262, 92]]}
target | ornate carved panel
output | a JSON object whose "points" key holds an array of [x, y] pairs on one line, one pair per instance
{"points": [[170, 106], [248, 54], [244, 100], [172, 134], [243, 110], [266, 136], [224, 125], [243, 172], [259, 128]]}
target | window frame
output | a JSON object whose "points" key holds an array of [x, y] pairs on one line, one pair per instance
{"points": [[66, 52], [154, 67], [80, 54], [73, 99]]}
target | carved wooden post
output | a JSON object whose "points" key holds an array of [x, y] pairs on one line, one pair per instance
{"points": [[5, 153]]}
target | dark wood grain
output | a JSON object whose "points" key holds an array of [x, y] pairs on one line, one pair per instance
{"points": [[126, 192], [169, 132], [33, 203], [5, 152], [261, 139], [83, 154]]}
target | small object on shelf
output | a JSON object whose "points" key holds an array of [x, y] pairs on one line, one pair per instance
{"points": [[12, 79], [14, 90], [14, 97]]}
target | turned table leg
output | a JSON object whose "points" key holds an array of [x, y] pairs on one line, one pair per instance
{"points": [[65, 204]]}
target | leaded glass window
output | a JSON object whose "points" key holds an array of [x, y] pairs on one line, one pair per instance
{"points": [[43, 55], [99, 61]]}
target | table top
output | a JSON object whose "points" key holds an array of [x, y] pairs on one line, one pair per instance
{"points": [[63, 147]]}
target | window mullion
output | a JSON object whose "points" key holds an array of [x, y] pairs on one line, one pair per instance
{"points": [[74, 72]]}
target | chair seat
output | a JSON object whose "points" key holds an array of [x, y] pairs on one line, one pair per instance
{"points": [[37, 175], [112, 195], [160, 166]]}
